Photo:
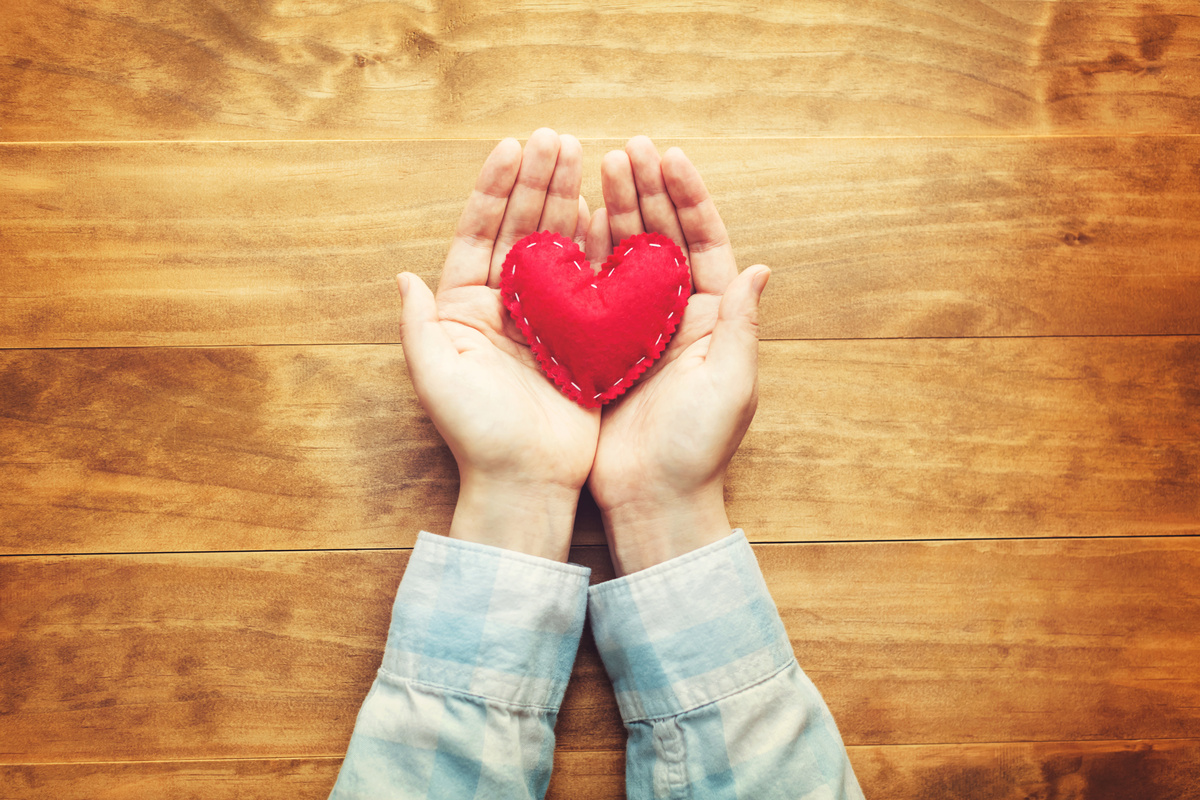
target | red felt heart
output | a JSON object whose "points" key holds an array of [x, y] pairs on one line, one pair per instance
{"points": [[594, 334]]}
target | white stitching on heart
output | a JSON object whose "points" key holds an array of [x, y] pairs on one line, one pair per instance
{"points": [[553, 360], [531, 244]]}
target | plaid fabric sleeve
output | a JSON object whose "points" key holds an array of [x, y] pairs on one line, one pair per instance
{"points": [[709, 689], [478, 655]]}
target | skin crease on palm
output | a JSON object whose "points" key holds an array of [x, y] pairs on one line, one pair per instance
{"points": [[655, 458]]}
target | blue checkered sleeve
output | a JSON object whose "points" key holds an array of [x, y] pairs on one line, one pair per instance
{"points": [[708, 686], [478, 655]]}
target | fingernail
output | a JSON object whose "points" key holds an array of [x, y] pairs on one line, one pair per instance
{"points": [[760, 280], [402, 278]]}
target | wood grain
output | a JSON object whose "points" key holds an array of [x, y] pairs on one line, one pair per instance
{"points": [[342, 69], [275, 448], [972, 439], [1151, 770], [217, 449], [1148, 770], [1155, 770], [225, 779], [980, 389], [278, 243], [269, 655], [118, 655]]}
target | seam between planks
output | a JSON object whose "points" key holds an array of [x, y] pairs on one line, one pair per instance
{"points": [[599, 547], [715, 138], [998, 337], [236, 759]]}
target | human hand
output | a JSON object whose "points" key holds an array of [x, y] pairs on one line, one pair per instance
{"points": [[523, 449], [664, 446]]}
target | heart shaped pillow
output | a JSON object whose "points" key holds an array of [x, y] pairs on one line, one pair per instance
{"points": [[594, 334]]}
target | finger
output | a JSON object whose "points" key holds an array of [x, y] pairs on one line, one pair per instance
{"points": [[709, 252], [470, 255], [583, 218], [658, 212], [620, 196], [561, 212], [528, 198], [733, 349], [599, 238], [427, 347]]}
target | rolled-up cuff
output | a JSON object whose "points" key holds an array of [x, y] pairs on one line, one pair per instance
{"points": [[689, 631], [485, 621]]}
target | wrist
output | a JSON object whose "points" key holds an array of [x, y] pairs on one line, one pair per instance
{"points": [[532, 518], [650, 530]]}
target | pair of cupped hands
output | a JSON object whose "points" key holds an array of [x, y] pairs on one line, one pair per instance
{"points": [[654, 458]]}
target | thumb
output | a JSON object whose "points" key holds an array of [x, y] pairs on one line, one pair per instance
{"points": [[426, 345], [733, 349]]}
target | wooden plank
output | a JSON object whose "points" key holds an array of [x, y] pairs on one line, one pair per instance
{"points": [[159, 657], [1149, 770], [972, 438], [227, 70], [598, 774], [167, 657], [225, 779], [217, 449], [298, 242], [1154, 770], [170, 449], [997, 641]]}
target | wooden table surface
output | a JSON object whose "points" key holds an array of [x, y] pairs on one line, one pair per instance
{"points": [[973, 482]]}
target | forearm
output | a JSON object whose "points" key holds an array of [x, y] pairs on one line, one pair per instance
{"points": [[479, 651], [658, 526], [535, 519]]}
